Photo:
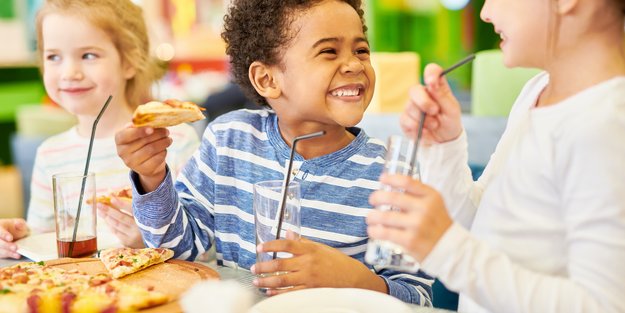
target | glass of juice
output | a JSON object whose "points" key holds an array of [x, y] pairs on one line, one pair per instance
{"points": [[75, 214]]}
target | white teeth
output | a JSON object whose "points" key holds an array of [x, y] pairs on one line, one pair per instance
{"points": [[345, 92]]}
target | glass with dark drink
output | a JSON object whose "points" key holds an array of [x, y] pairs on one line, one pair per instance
{"points": [[75, 214]]}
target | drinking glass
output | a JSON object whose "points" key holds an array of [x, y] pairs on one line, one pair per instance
{"points": [[75, 231], [382, 253], [267, 197]]}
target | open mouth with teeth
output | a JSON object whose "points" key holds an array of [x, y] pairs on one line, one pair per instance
{"points": [[346, 92]]}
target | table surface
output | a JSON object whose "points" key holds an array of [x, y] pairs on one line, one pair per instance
{"points": [[244, 277]]}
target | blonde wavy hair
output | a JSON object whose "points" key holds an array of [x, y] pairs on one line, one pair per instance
{"points": [[124, 23]]}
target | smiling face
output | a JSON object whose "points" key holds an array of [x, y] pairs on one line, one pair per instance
{"points": [[81, 65], [523, 26], [325, 75]]}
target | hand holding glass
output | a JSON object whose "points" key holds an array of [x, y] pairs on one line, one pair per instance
{"points": [[397, 161]]}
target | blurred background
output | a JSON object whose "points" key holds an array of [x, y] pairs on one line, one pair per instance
{"points": [[186, 35]]}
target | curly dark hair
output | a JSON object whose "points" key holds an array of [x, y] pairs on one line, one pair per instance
{"points": [[258, 30]]}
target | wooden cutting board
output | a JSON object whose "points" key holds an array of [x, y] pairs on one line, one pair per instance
{"points": [[173, 277]]}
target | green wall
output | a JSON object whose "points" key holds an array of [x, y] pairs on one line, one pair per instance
{"points": [[437, 34]]}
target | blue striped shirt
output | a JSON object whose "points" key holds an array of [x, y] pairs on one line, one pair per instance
{"points": [[212, 199]]}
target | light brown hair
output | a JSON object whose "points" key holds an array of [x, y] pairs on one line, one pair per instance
{"points": [[123, 22]]}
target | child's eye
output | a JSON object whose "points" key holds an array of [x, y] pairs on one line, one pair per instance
{"points": [[53, 57], [89, 56], [328, 51], [363, 51]]}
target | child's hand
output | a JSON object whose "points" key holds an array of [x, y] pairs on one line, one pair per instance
{"points": [[443, 111], [144, 150], [121, 222], [11, 229], [313, 265], [421, 222]]}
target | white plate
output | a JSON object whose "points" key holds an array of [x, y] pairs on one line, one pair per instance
{"points": [[42, 247], [331, 300]]}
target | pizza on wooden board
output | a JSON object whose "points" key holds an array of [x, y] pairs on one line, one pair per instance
{"points": [[124, 261], [170, 112], [36, 287]]}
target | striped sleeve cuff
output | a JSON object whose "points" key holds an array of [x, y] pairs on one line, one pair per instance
{"points": [[402, 292], [156, 208]]}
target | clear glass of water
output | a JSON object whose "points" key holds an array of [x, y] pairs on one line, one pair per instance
{"points": [[267, 198], [382, 253]]}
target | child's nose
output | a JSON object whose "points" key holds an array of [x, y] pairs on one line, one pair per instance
{"points": [[484, 13], [72, 71], [352, 65]]}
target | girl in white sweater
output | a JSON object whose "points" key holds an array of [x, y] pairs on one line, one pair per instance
{"points": [[543, 228]]}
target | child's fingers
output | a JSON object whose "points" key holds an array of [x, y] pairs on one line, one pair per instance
{"points": [[394, 219], [20, 229], [380, 232], [7, 247], [130, 134], [8, 252], [279, 281], [122, 205], [420, 101], [271, 266], [401, 200], [294, 247], [5, 235], [275, 292], [432, 75], [438, 88], [142, 157], [406, 183], [142, 143], [118, 221], [155, 164]]}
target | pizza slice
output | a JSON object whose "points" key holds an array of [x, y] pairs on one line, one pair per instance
{"points": [[124, 194], [123, 261], [167, 113]]}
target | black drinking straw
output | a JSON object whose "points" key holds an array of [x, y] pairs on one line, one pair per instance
{"points": [[413, 158], [286, 181], [84, 177]]}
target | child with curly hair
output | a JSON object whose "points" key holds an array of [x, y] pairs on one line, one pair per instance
{"points": [[308, 61]]}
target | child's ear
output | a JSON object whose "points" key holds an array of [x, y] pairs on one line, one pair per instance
{"points": [[263, 80], [129, 71]]}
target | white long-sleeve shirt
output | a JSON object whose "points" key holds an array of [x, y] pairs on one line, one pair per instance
{"points": [[547, 217]]}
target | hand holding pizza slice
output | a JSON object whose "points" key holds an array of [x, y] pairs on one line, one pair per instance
{"points": [[167, 113]]}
